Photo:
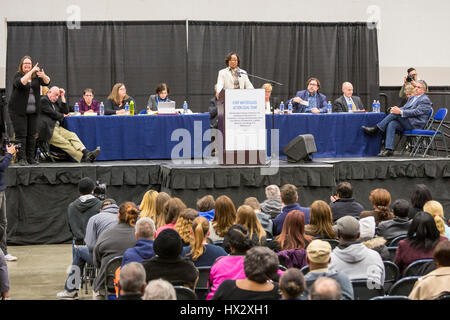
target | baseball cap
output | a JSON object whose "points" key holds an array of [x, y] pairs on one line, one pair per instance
{"points": [[318, 251]]}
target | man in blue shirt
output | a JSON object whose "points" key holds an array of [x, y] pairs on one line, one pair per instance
{"points": [[289, 199], [310, 100]]}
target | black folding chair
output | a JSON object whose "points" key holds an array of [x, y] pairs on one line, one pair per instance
{"points": [[394, 242], [89, 274], [392, 274], [365, 289], [403, 287], [110, 274], [419, 268], [444, 296], [201, 289], [305, 270], [184, 293], [392, 251], [390, 298]]}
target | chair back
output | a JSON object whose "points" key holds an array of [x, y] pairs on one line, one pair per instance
{"points": [[201, 289], [444, 296], [184, 293], [390, 298], [440, 114], [419, 268], [305, 270], [392, 274], [403, 287], [281, 267], [110, 274], [392, 251], [333, 242], [394, 242], [365, 289]]}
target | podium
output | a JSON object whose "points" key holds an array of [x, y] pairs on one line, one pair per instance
{"points": [[242, 127]]}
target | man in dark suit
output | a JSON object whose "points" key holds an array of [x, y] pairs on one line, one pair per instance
{"points": [[52, 114], [347, 100], [413, 115], [310, 100]]}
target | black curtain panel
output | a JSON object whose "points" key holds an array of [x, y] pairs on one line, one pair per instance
{"points": [[188, 55]]}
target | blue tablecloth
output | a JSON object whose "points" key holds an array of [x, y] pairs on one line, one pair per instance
{"points": [[150, 137]]}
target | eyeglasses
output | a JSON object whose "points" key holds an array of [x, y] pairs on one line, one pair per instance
{"points": [[88, 95]]}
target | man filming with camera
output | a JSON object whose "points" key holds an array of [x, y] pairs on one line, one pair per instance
{"points": [[411, 77], [11, 150]]}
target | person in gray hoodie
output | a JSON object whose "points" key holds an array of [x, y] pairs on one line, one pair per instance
{"points": [[264, 219], [272, 204], [352, 257]]}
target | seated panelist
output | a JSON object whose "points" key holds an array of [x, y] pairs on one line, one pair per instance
{"points": [[87, 103], [347, 101], [309, 100], [117, 99], [162, 95]]}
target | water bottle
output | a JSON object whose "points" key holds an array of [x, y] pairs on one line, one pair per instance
{"points": [[127, 108], [378, 106], [102, 109], [132, 107], [290, 107], [329, 107], [38, 154], [149, 110], [185, 107], [281, 107], [76, 108], [374, 106]]}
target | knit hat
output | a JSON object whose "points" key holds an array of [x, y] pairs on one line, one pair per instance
{"points": [[168, 244], [348, 226], [318, 251], [367, 227]]}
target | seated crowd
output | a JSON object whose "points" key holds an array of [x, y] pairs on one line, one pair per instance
{"points": [[300, 253]]}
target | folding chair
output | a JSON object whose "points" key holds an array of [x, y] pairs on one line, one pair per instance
{"points": [[110, 274], [89, 274], [419, 268], [394, 242], [425, 139], [201, 288], [409, 134], [305, 270], [390, 298], [392, 251], [184, 293], [365, 289], [392, 274], [403, 287]]}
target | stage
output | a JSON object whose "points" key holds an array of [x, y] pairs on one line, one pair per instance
{"points": [[38, 196]]}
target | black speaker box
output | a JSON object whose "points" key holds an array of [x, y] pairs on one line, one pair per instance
{"points": [[300, 148]]}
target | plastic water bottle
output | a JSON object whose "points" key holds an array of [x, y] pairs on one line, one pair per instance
{"points": [[127, 108], [329, 107], [149, 110], [378, 106], [290, 107], [76, 108], [38, 154], [102, 109], [185, 107], [132, 107], [374, 106], [281, 107]]}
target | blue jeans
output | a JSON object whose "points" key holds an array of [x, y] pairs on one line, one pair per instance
{"points": [[391, 124], [81, 256]]}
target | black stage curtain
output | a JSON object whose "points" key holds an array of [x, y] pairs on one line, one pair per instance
{"points": [[188, 56]]}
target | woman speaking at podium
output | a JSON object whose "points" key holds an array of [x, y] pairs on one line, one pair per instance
{"points": [[232, 77]]}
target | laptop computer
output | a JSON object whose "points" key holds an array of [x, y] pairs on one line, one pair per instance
{"points": [[166, 107]]}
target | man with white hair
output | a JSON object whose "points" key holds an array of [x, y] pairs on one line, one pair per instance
{"points": [[347, 102], [132, 281], [143, 250], [272, 204], [50, 129]]}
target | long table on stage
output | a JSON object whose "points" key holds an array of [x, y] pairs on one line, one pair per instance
{"points": [[157, 137]]}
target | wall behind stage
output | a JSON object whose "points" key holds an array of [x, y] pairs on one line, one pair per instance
{"points": [[410, 32]]}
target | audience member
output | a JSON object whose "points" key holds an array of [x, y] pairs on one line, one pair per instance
{"points": [[78, 214], [272, 204], [367, 233], [143, 250], [342, 204], [162, 95], [87, 104], [390, 229], [318, 258], [51, 130], [159, 289], [168, 263], [264, 219], [184, 225], [205, 207], [132, 281], [200, 252], [437, 282], [246, 216], [260, 267], [224, 217], [292, 284], [310, 100], [352, 257], [381, 200], [172, 209], [325, 289], [423, 236], [437, 211], [420, 195], [4, 278], [289, 199], [147, 207], [347, 102], [321, 221], [161, 200], [113, 242], [117, 99], [231, 266]]}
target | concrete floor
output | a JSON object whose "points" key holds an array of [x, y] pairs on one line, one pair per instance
{"points": [[40, 272]]}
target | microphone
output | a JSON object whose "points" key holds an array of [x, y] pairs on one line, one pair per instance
{"points": [[238, 71]]}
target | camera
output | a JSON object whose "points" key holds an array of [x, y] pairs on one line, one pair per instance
{"points": [[410, 78], [100, 190]]}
